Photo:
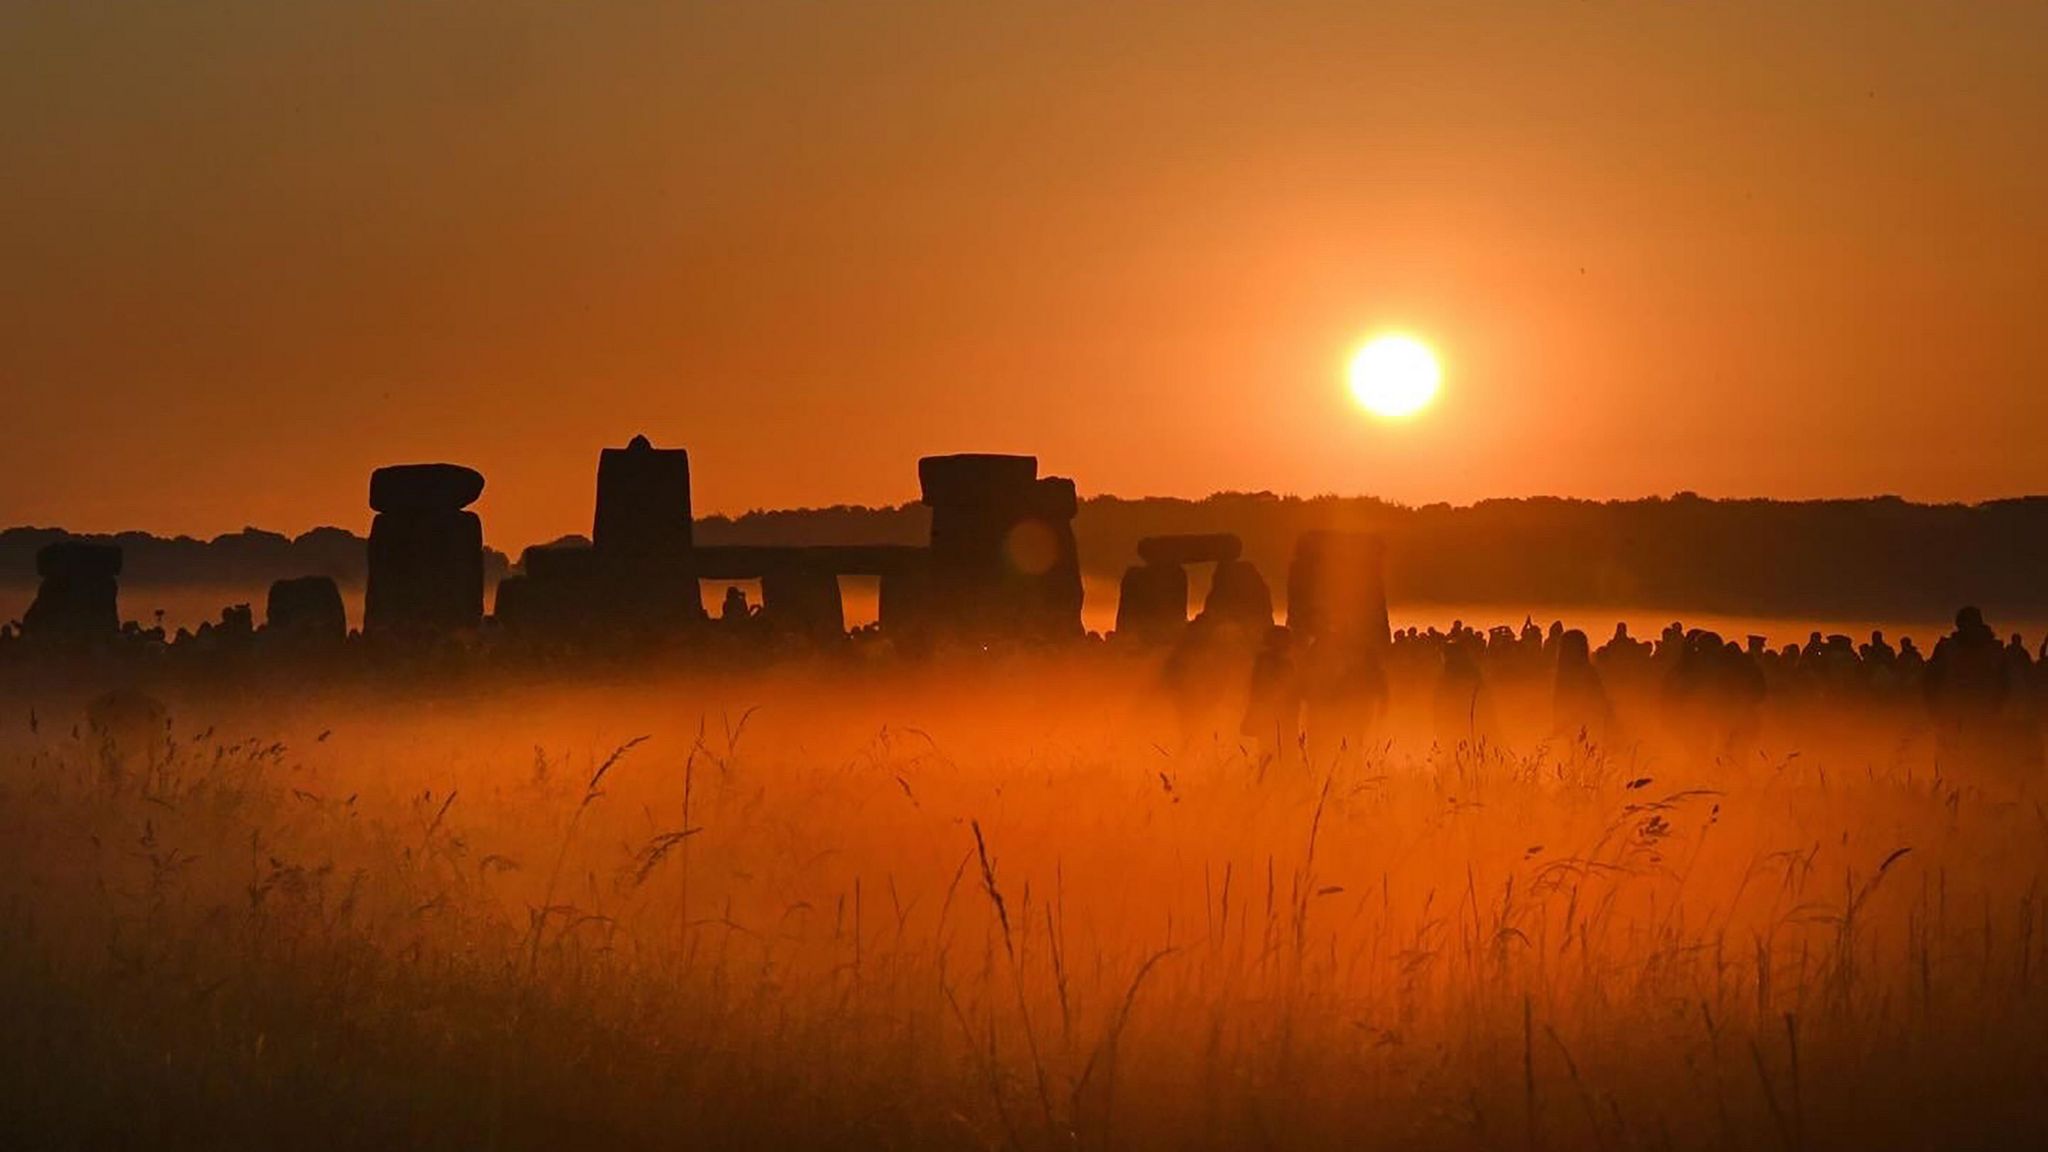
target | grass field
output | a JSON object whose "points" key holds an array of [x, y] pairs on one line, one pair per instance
{"points": [[1009, 907]]}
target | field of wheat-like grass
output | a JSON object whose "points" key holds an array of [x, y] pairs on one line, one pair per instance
{"points": [[1012, 909]]}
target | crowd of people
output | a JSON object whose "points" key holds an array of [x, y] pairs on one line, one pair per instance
{"points": [[1982, 695]]}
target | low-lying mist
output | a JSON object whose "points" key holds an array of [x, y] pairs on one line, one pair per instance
{"points": [[1018, 901]]}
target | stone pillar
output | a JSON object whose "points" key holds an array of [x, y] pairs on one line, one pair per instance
{"points": [[426, 552], [905, 597], [1238, 595], [1152, 603], [1336, 590], [643, 537], [78, 598], [1003, 557], [1060, 591], [306, 610], [643, 502]]}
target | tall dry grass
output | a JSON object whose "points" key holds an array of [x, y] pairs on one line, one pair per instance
{"points": [[1010, 909]]}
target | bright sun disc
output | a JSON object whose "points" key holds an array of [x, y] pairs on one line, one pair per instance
{"points": [[1394, 376]]}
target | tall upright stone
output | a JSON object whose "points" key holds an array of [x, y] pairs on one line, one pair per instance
{"points": [[426, 552], [77, 601], [1238, 595], [1337, 592], [643, 502], [1152, 603], [306, 611], [1004, 561], [642, 539]]}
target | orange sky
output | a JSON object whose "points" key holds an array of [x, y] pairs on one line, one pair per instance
{"points": [[250, 250]]}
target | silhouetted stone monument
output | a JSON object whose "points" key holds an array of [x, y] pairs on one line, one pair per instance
{"points": [[306, 610], [426, 553], [424, 488], [1003, 555], [1152, 602], [1336, 590], [904, 598], [78, 599], [1238, 595], [643, 502], [1191, 548]]}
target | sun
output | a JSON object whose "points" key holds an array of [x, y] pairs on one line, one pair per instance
{"points": [[1394, 376]]}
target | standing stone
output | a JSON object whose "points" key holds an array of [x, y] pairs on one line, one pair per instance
{"points": [[1238, 595], [426, 552], [642, 537], [1060, 590], [643, 501], [1152, 603], [1336, 590], [306, 610], [1004, 561], [904, 599], [78, 599]]}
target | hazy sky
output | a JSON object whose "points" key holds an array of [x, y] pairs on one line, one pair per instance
{"points": [[250, 250]]}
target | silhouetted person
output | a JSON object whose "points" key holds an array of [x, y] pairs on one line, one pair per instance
{"points": [[1464, 708], [1578, 700], [1966, 675], [734, 609], [1273, 711], [1208, 662], [1965, 685]]}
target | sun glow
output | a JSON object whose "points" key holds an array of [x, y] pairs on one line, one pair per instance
{"points": [[1394, 376]]}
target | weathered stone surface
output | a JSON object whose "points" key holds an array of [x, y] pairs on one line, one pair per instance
{"points": [[1190, 548], [643, 501], [306, 609], [78, 599], [1336, 590], [426, 573], [1152, 603], [1238, 595], [424, 488]]}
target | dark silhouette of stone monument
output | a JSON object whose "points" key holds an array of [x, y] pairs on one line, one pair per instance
{"points": [[641, 543], [637, 577], [1337, 612], [1003, 562], [800, 594], [1337, 592], [77, 601], [1152, 603], [426, 572], [643, 502], [1238, 595], [306, 611]]}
